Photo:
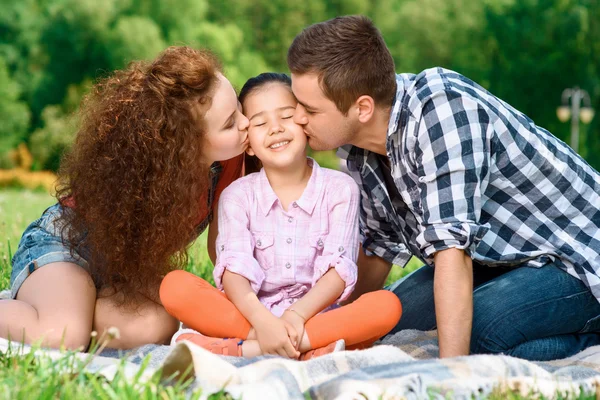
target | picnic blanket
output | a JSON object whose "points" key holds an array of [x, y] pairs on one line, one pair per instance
{"points": [[404, 365]]}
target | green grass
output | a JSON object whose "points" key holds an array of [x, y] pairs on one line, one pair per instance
{"points": [[18, 208], [38, 376]]}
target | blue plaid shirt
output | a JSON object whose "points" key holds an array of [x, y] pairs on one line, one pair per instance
{"points": [[473, 173]]}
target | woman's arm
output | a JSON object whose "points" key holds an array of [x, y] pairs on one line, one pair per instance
{"points": [[213, 232], [232, 170]]}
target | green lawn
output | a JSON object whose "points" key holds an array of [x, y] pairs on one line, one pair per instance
{"points": [[18, 208]]}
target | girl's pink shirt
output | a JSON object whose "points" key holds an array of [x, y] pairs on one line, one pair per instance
{"points": [[284, 253]]}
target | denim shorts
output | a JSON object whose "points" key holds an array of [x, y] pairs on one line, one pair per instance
{"points": [[40, 245]]}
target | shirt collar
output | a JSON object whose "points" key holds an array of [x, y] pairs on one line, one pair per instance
{"points": [[401, 83], [267, 198]]}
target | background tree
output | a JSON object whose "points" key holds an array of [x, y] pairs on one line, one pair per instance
{"points": [[526, 52]]}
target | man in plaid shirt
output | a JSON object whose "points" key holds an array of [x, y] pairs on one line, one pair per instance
{"points": [[505, 216]]}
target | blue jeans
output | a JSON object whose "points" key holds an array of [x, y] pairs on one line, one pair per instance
{"points": [[41, 245], [531, 313]]}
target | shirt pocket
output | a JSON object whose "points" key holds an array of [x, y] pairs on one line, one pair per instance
{"points": [[264, 251]]}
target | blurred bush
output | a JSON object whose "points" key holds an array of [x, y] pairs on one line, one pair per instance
{"points": [[21, 176], [23, 179], [50, 142], [52, 50]]}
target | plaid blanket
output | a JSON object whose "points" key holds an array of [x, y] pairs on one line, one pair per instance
{"points": [[403, 365]]}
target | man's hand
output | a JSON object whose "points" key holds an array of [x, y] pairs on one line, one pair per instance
{"points": [[453, 296], [273, 335], [297, 322]]}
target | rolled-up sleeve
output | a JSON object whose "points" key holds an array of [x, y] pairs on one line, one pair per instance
{"points": [[234, 243], [452, 165], [340, 247]]}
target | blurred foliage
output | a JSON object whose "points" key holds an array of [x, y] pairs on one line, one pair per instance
{"points": [[22, 179], [51, 51], [14, 113], [49, 142]]}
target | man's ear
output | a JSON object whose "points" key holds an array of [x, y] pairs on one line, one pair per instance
{"points": [[365, 106]]}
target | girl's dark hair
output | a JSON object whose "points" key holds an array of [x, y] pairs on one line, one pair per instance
{"points": [[252, 163], [254, 84]]}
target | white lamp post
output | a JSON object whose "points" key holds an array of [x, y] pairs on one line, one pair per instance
{"points": [[575, 112]]}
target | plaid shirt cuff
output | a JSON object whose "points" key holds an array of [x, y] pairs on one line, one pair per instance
{"points": [[464, 236], [396, 253]]}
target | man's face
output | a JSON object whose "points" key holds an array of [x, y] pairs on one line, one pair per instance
{"points": [[324, 125]]}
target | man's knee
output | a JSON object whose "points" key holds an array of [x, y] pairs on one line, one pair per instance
{"points": [[415, 292], [492, 332]]}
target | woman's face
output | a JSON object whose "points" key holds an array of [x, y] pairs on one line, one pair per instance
{"points": [[226, 126], [274, 137]]}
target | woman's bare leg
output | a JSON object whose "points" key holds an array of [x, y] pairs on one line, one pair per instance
{"points": [[147, 324], [56, 304]]}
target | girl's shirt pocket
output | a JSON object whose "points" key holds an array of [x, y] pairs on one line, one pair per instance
{"points": [[264, 251]]}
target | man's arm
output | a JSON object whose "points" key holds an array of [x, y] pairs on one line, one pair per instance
{"points": [[372, 273], [452, 160], [453, 297]]}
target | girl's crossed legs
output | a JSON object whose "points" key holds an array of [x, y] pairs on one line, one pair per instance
{"points": [[207, 310]]}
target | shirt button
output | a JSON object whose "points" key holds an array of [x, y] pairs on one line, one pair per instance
{"points": [[222, 247], [320, 242], [295, 205], [341, 248], [258, 242], [290, 219], [289, 240], [288, 265]]}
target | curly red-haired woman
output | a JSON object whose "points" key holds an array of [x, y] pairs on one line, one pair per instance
{"points": [[140, 183]]}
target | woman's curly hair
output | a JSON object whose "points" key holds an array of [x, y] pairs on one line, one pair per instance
{"points": [[135, 173]]}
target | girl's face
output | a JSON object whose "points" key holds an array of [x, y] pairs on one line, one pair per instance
{"points": [[226, 126], [274, 137]]}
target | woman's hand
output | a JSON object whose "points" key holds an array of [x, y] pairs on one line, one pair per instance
{"points": [[273, 335], [297, 322]]}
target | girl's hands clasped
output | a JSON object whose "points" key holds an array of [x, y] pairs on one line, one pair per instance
{"points": [[274, 336], [297, 322]]}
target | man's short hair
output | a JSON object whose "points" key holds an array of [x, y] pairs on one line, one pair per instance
{"points": [[349, 56]]}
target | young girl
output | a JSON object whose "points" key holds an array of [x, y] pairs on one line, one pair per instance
{"points": [[158, 142], [286, 250]]}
